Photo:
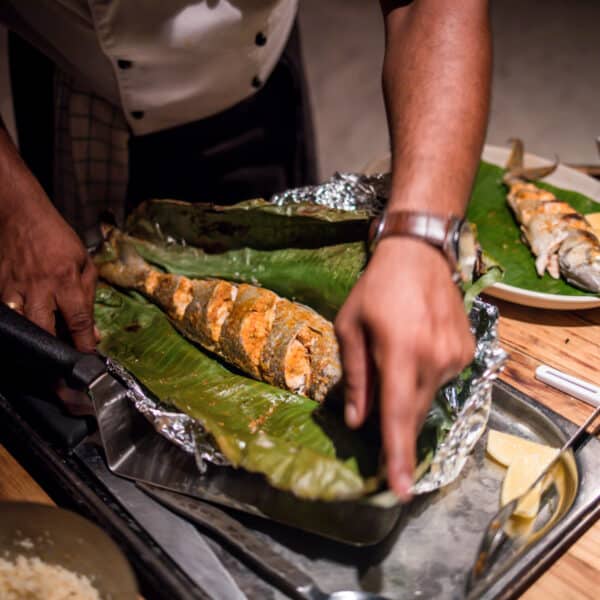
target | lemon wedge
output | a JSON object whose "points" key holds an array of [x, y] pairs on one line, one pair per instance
{"points": [[519, 476], [506, 448], [525, 461], [594, 220]]}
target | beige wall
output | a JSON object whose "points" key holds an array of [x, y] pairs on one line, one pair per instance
{"points": [[546, 78]]}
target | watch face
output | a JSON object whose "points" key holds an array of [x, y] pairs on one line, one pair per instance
{"points": [[467, 251]]}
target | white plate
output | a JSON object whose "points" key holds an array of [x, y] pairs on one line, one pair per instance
{"points": [[563, 177]]}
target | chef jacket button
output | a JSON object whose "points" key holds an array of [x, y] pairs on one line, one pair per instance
{"points": [[256, 82], [124, 64], [260, 39], [137, 114]]}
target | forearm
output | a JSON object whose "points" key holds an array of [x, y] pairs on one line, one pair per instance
{"points": [[436, 80]]}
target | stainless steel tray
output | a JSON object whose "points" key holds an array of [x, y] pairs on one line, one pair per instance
{"points": [[432, 546], [429, 546], [137, 452]]}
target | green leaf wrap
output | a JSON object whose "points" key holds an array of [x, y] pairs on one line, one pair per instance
{"points": [[253, 224], [318, 277], [256, 426]]}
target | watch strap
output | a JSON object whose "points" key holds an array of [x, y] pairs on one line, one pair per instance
{"points": [[429, 227]]}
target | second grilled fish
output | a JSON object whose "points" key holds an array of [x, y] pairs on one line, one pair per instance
{"points": [[561, 239], [268, 337]]}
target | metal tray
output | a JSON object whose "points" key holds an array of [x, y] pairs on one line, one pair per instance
{"points": [[431, 543], [432, 546], [136, 451]]}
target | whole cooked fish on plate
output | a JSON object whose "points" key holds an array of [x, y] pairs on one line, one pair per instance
{"points": [[501, 237], [561, 238]]}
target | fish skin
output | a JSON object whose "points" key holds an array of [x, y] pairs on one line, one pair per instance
{"points": [[561, 239], [268, 337]]}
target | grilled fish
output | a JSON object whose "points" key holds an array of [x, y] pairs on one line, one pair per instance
{"points": [[268, 337], [560, 238]]}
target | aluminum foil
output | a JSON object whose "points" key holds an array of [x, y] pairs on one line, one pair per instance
{"points": [[344, 191], [179, 428], [469, 397]]}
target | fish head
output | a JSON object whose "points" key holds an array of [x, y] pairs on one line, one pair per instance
{"points": [[579, 259]]}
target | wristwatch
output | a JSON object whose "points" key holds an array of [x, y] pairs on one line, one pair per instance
{"points": [[453, 236]]}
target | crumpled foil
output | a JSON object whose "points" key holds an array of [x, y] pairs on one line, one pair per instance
{"points": [[344, 191], [469, 398], [179, 428]]}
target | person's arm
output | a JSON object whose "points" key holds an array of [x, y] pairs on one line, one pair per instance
{"points": [[44, 267], [404, 320]]}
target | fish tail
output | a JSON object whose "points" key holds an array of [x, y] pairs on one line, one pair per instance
{"points": [[127, 269], [119, 262], [515, 169]]}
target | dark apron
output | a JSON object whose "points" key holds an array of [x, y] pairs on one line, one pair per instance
{"points": [[262, 145]]}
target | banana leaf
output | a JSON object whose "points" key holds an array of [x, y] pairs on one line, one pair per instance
{"points": [[253, 224], [500, 237], [318, 277], [258, 427], [297, 444]]}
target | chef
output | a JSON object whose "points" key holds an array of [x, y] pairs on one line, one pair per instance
{"points": [[205, 101]]}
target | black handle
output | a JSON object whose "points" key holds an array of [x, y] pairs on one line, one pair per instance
{"points": [[28, 341]]}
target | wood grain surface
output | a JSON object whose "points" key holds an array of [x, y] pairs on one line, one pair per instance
{"points": [[16, 484], [569, 341]]}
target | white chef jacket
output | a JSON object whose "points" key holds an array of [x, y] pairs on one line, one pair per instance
{"points": [[165, 62]]}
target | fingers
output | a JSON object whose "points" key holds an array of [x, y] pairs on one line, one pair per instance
{"points": [[450, 357], [39, 308], [73, 295], [10, 294], [409, 382], [358, 370], [76, 402], [398, 421], [76, 306]]}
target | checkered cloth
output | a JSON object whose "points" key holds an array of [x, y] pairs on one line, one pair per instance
{"points": [[91, 157]]}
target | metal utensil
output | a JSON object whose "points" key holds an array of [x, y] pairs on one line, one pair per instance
{"points": [[89, 372], [280, 571], [496, 534], [176, 536]]}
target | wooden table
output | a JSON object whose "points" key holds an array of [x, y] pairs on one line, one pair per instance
{"points": [[568, 341]]}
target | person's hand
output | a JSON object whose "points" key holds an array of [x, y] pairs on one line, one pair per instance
{"points": [[404, 321], [43, 265]]}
